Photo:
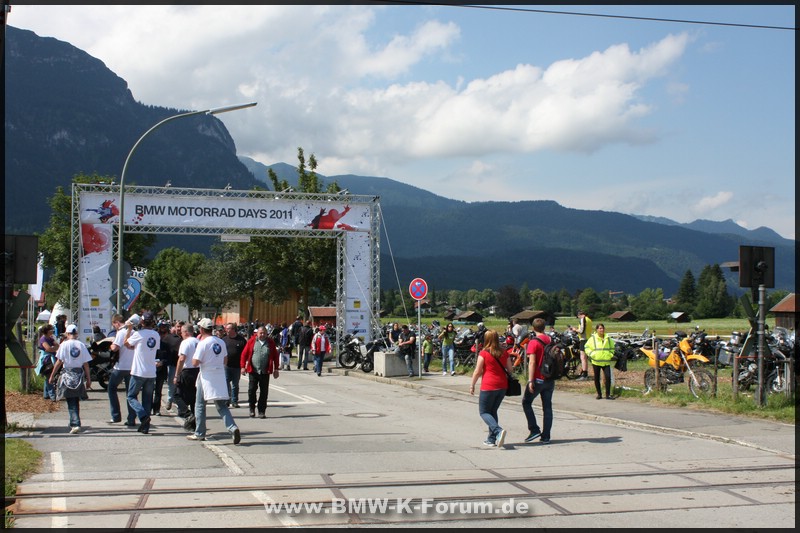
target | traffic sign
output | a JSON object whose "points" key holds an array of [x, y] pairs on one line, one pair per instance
{"points": [[418, 288]]}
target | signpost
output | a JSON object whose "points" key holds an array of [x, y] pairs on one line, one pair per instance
{"points": [[418, 290]]}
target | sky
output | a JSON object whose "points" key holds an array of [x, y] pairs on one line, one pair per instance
{"points": [[685, 112]]}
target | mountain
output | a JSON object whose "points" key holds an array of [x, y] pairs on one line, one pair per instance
{"points": [[762, 234], [66, 113]]}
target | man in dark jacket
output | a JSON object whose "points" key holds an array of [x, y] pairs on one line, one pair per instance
{"points": [[304, 346]]}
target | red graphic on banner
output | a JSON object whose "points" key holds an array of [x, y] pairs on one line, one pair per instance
{"points": [[328, 220], [94, 239]]}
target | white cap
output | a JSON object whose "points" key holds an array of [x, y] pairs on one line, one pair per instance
{"points": [[135, 319], [205, 323], [72, 328]]}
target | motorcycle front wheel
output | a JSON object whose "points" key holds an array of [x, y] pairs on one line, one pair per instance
{"points": [[703, 385], [650, 382], [368, 365], [348, 359], [776, 382]]}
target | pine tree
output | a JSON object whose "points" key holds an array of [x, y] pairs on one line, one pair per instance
{"points": [[686, 297]]}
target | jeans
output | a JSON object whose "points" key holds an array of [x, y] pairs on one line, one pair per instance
{"points": [[258, 381], [318, 362], [200, 413], [426, 361], [544, 388], [170, 384], [146, 386], [232, 376], [49, 389], [409, 363], [488, 403], [303, 356], [114, 379], [74, 408], [448, 351]]}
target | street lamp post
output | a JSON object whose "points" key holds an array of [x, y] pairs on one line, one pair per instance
{"points": [[214, 111]]}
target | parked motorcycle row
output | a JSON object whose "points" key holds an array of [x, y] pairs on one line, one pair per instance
{"points": [[689, 357]]}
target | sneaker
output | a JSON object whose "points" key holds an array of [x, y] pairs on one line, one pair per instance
{"points": [[75, 430], [582, 377], [144, 427], [169, 406], [489, 443], [544, 441], [193, 436], [411, 374], [262, 415], [501, 438], [252, 413], [319, 374], [444, 372], [611, 397], [235, 405], [533, 436], [598, 397], [453, 373], [237, 436], [130, 424], [112, 421]]}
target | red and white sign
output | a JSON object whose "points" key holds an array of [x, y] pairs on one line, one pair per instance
{"points": [[418, 288]]}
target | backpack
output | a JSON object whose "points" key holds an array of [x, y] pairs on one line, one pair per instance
{"points": [[553, 361]]}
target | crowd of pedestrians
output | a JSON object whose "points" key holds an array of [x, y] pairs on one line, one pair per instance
{"points": [[198, 364]]}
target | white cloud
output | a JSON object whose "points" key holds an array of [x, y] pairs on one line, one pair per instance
{"points": [[709, 203]]}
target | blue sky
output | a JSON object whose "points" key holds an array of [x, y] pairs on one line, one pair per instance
{"points": [[674, 119]]}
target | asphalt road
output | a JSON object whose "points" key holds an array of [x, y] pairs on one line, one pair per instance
{"points": [[350, 449]]}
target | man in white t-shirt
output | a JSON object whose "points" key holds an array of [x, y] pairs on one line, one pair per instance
{"points": [[120, 373], [186, 377], [76, 377], [211, 357], [145, 344]]}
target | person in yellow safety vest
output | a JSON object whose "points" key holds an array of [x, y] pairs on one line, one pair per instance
{"points": [[600, 351]]}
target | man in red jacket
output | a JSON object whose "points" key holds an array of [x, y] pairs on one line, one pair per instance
{"points": [[259, 360]]}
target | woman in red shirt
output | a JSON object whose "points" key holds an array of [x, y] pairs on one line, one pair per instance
{"points": [[489, 368]]}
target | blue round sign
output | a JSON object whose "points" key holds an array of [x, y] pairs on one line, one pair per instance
{"points": [[418, 288]]}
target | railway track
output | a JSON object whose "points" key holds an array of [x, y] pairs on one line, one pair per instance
{"points": [[367, 499]]}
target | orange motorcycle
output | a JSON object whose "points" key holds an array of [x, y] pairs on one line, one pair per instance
{"points": [[675, 364]]}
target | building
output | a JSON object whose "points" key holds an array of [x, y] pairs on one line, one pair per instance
{"points": [[785, 312], [622, 316], [322, 315], [526, 317], [679, 316]]}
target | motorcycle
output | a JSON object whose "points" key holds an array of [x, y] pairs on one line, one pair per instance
{"points": [[103, 361], [780, 344], [675, 364], [465, 347], [350, 353]]}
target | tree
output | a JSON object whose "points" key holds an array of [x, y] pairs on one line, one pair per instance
{"points": [[212, 289], [590, 301], [55, 242], [686, 297], [713, 300], [508, 303], [649, 305], [525, 295], [172, 277]]}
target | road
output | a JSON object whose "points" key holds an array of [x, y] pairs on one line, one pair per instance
{"points": [[342, 450]]}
